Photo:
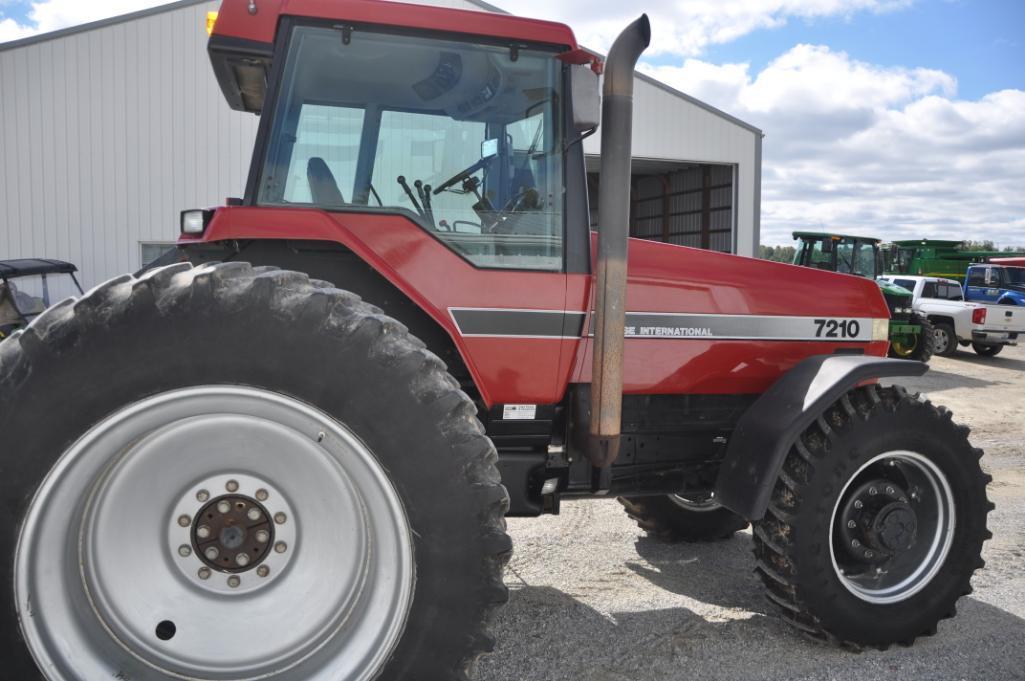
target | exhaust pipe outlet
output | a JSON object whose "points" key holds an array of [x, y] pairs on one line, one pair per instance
{"points": [[613, 233]]}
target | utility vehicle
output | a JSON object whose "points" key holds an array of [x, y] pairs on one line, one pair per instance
{"points": [[986, 328], [30, 285], [911, 334], [291, 458]]}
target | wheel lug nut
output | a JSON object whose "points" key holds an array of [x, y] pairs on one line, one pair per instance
{"points": [[263, 571], [203, 532], [851, 524], [212, 553], [254, 514], [889, 490], [281, 547], [858, 504], [223, 507], [184, 551], [280, 518], [184, 520], [231, 486], [242, 559], [873, 491], [263, 536], [234, 582], [869, 554], [262, 495], [855, 543], [202, 495], [204, 573]]}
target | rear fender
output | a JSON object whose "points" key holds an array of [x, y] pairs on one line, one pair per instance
{"points": [[767, 430]]}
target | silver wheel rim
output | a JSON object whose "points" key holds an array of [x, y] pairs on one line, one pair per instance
{"points": [[942, 341], [99, 595], [703, 503], [931, 491]]}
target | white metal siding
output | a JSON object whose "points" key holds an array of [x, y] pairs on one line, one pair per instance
{"points": [[107, 134]]}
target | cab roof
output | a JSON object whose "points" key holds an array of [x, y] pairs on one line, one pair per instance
{"points": [[234, 20], [30, 266], [833, 235]]}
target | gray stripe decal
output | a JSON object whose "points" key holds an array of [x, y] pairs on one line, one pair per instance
{"points": [[511, 323], [553, 324]]}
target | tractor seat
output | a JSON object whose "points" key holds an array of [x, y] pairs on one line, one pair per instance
{"points": [[323, 188]]}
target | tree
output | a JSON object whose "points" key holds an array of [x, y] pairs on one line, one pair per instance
{"points": [[777, 253]]}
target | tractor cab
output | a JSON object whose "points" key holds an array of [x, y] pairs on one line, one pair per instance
{"points": [[466, 135], [839, 253]]}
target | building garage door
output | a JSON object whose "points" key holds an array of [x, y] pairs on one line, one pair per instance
{"points": [[683, 204]]}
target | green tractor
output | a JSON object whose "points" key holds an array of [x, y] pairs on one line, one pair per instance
{"points": [[911, 335]]}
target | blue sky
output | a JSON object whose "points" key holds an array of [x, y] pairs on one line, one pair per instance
{"points": [[890, 118]]}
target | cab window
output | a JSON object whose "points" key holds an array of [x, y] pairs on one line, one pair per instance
{"points": [[464, 139]]}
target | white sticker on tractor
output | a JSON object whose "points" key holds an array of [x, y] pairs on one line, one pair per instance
{"points": [[519, 412]]}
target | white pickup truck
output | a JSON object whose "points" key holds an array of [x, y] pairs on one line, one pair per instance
{"points": [[987, 328]]}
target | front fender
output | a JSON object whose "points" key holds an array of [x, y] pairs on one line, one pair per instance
{"points": [[766, 431]]}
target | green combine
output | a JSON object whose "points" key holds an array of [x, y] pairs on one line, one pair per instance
{"points": [[911, 335], [935, 258]]}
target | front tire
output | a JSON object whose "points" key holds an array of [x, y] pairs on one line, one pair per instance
{"points": [[987, 350], [682, 519], [924, 346], [876, 522], [212, 482]]}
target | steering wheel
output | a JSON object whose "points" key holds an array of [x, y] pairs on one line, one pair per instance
{"points": [[459, 177]]}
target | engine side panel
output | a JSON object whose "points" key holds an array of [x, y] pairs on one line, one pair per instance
{"points": [[749, 321]]}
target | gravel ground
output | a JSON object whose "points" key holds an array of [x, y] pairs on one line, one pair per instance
{"points": [[593, 598]]}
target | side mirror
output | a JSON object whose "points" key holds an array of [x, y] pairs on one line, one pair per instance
{"points": [[585, 93]]}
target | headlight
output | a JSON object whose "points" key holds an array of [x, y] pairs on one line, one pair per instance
{"points": [[195, 221], [880, 329]]}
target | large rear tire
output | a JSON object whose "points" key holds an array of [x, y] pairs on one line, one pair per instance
{"points": [[876, 522], [229, 472], [682, 519]]}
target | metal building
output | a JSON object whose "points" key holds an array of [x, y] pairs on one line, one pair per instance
{"points": [[109, 130]]}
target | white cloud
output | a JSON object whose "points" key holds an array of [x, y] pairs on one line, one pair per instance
{"points": [[688, 27], [12, 30], [874, 150], [52, 15]]}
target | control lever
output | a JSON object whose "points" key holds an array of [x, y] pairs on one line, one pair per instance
{"points": [[424, 192], [409, 193]]}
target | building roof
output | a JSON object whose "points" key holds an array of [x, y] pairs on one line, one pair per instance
{"points": [[53, 35], [29, 266]]}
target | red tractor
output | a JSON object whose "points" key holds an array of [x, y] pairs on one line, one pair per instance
{"points": [[291, 458]]}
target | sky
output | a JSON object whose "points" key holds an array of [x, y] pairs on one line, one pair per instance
{"points": [[889, 118]]}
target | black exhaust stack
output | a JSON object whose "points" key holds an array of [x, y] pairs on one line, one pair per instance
{"points": [[613, 232]]}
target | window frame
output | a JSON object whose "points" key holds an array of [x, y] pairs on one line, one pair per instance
{"points": [[576, 250]]}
